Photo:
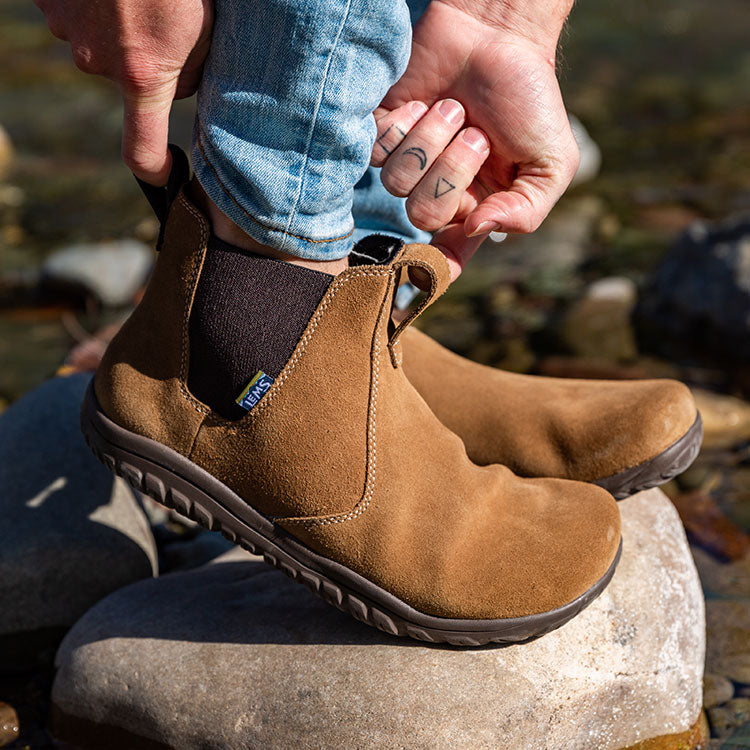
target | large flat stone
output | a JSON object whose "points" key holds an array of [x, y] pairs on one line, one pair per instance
{"points": [[233, 655], [71, 533]]}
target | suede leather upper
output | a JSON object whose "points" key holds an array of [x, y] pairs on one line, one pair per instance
{"points": [[547, 427], [346, 456], [140, 382]]}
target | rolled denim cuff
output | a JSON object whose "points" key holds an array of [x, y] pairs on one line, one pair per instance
{"points": [[285, 125], [331, 239]]}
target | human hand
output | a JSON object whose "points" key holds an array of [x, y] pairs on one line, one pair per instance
{"points": [[426, 156], [154, 50], [507, 83]]}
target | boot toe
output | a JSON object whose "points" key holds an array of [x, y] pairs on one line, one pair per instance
{"points": [[578, 539]]}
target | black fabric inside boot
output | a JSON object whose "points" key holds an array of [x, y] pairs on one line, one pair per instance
{"points": [[248, 315], [375, 249]]}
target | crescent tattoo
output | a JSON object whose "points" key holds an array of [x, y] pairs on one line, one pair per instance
{"points": [[420, 154]]}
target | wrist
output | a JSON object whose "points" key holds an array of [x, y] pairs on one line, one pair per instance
{"points": [[538, 21]]}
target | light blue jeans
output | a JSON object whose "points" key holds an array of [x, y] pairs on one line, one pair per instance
{"points": [[284, 130]]}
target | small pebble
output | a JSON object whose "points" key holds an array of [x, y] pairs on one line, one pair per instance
{"points": [[726, 419], [6, 152], [613, 289], [728, 639], [717, 689], [733, 714], [9, 727]]}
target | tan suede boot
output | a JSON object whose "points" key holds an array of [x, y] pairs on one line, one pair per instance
{"points": [[625, 436], [340, 475]]}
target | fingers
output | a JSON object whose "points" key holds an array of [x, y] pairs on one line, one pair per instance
{"points": [[420, 146], [531, 196], [439, 194], [429, 163], [392, 128], [52, 16], [452, 241], [145, 133]]}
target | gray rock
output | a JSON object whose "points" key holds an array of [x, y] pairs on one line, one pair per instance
{"points": [[730, 579], [728, 638], [600, 328], [233, 655], [71, 533], [716, 690], [700, 293], [185, 553], [111, 271], [726, 419], [731, 715], [739, 739]]}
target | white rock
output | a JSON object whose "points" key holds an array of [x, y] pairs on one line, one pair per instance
{"points": [[112, 271], [233, 655], [613, 289], [591, 155]]}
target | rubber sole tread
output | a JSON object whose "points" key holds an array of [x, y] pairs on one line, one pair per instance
{"points": [[659, 470]]}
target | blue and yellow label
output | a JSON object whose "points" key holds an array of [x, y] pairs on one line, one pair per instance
{"points": [[254, 390]]}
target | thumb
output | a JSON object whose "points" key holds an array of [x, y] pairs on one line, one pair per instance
{"points": [[525, 204], [452, 241], [145, 131], [521, 208]]}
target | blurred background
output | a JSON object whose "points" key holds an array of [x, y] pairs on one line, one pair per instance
{"points": [[663, 90], [642, 270]]}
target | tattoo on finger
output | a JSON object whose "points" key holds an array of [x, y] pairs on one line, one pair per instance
{"points": [[381, 138], [442, 186], [419, 154]]}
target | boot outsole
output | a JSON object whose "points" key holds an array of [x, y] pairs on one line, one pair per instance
{"points": [[174, 481], [667, 465]]}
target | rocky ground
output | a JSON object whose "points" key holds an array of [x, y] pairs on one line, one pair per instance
{"points": [[644, 271]]}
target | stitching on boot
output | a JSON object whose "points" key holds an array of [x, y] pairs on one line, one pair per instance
{"points": [[336, 286], [364, 502], [434, 294], [397, 358]]}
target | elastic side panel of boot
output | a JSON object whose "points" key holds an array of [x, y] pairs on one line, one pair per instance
{"points": [[248, 315]]}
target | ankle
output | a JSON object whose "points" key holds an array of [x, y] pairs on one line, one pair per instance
{"points": [[225, 229]]}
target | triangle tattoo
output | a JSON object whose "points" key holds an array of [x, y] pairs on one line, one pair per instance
{"points": [[443, 186]]}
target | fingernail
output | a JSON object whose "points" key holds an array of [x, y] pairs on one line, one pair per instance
{"points": [[418, 108], [476, 139], [485, 228], [451, 110]]}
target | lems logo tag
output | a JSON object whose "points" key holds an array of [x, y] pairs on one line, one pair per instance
{"points": [[255, 390]]}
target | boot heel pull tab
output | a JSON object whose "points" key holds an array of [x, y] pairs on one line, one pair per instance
{"points": [[432, 275], [161, 198]]}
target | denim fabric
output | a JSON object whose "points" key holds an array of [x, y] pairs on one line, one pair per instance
{"points": [[376, 211], [285, 128]]}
